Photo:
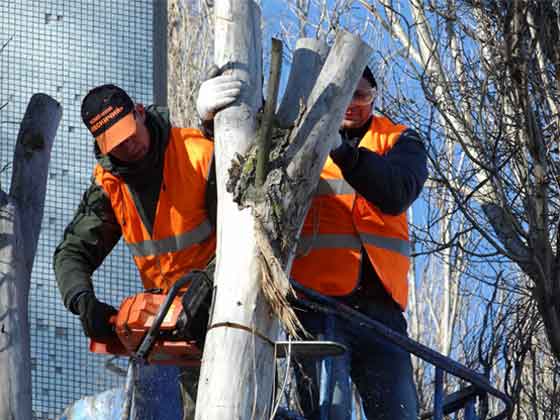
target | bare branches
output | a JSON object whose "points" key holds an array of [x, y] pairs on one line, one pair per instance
{"points": [[190, 50], [491, 77], [394, 28]]}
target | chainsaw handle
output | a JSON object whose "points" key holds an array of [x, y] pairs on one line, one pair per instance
{"points": [[151, 335]]}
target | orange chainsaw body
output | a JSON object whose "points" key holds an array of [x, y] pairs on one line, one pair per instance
{"points": [[133, 321]]}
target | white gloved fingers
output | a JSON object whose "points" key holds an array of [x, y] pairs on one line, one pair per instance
{"points": [[219, 104], [218, 84], [226, 87], [234, 92], [229, 84], [216, 93], [223, 80]]}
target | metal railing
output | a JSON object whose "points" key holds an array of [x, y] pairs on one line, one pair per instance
{"points": [[465, 399]]}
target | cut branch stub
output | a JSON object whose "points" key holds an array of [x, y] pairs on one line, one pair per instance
{"points": [[308, 59], [31, 166], [268, 114]]}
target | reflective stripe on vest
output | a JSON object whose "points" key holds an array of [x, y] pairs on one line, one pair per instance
{"points": [[172, 244], [340, 187], [327, 241], [331, 240], [334, 187], [400, 246]]}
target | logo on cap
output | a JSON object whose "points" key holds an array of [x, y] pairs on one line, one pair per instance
{"points": [[107, 111]]}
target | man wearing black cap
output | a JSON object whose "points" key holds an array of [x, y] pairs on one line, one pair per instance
{"points": [[354, 246], [149, 187]]}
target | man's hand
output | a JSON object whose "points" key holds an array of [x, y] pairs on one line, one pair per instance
{"points": [[344, 155], [216, 93], [95, 316]]}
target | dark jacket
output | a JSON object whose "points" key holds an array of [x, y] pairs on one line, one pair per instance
{"points": [[94, 230], [391, 182]]}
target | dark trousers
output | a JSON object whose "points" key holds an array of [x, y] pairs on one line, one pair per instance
{"points": [[381, 371]]}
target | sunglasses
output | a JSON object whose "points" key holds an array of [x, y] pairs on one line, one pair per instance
{"points": [[364, 96]]}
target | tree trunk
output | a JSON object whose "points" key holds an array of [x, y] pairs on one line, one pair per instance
{"points": [[237, 369], [21, 213], [238, 364]]}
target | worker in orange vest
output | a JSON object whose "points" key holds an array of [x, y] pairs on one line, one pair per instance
{"points": [[151, 187], [355, 247]]}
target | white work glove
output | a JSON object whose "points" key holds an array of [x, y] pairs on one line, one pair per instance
{"points": [[216, 93]]}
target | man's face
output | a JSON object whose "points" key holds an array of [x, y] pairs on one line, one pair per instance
{"points": [[359, 110], [136, 146]]}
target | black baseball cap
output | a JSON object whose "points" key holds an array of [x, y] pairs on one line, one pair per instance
{"points": [[368, 75], [107, 112]]}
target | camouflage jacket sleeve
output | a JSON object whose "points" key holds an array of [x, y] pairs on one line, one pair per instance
{"points": [[88, 239]]}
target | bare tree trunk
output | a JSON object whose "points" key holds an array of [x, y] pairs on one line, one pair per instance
{"points": [[237, 369], [238, 364], [21, 213]]}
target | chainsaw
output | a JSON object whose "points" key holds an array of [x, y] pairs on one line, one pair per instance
{"points": [[158, 328]]}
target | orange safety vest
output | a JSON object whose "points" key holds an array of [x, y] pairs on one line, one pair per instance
{"points": [[340, 222], [182, 238]]}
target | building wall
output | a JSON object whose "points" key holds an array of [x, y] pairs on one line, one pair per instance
{"points": [[63, 48]]}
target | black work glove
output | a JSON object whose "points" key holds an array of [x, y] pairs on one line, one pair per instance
{"points": [[94, 316], [345, 156]]}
